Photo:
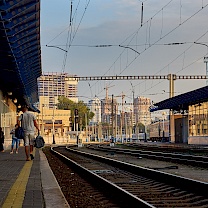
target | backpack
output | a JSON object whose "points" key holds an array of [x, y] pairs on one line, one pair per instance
{"points": [[39, 142], [19, 133]]}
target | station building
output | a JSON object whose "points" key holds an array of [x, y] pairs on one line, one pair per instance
{"points": [[189, 113], [20, 59]]}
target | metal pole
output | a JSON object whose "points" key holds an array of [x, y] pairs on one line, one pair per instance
{"points": [[145, 133], [206, 62], [172, 78], [116, 125], [86, 132], [132, 123], [125, 126], [77, 133], [74, 124], [42, 127], [112, 118], [163, 139], [53, 120], [4, 122], [121, 126]]}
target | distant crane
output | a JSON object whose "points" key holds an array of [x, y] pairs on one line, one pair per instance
{"points": [[122, 103], [106, 88]]}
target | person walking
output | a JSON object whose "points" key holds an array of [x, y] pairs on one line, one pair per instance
{"points": [[1, 140], [15, 139], [28, 122]]}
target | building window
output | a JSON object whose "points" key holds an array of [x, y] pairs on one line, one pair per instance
{"points": [[198, 119]]}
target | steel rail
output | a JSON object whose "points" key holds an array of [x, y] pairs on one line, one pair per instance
{"points": [[116, 191], [187, 184], [199, 161]]}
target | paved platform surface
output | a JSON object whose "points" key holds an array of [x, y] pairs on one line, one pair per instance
{"points": [[28, 184]]}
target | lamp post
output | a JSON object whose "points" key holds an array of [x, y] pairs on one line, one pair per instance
{"points": [[42, 127], [121, 123], [86, 127], [76, 115], [145, 129], [131, 131], [53, 120], [125, 125], [132, 110], [163, 134]]}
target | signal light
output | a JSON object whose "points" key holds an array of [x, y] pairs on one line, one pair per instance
{"points": [[76, 112], [76, 119]]}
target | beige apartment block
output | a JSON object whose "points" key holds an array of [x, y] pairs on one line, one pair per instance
{"points": [[51, 85], [141, 110], [55, 122]]}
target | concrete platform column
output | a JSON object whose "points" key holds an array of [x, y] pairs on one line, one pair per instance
{"points": [[171, 78]]}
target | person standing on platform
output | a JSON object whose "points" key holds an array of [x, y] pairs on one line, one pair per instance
{"points": [[28, 122], [1, 140], [15, 139]]}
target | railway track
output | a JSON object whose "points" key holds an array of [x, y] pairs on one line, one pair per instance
{"points": [[133, 186], [187, 159], [174, 148]]}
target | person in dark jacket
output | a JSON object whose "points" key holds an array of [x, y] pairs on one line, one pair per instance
{"points": [[1, 140]]}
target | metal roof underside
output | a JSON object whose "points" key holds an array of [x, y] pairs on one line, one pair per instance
{"points": [[181, 102], [20, 52]]}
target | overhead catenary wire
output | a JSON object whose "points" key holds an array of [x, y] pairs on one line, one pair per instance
{"points": [[131, 37], [165, 35], [70, 35], [183, 54], [148, 44], [73, 36]]}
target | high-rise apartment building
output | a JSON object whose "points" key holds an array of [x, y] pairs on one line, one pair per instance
{"points": [[141, 110], [95, 107], [52, 85], [109, 110]]}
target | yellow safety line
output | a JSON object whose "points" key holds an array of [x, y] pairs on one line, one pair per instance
{"points": [[17, 193]]}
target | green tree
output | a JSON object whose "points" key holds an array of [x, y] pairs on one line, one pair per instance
{"points": [[67, 104]]}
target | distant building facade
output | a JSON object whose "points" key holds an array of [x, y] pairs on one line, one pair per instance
{"points": [[95, 106], [141, 110], [51, 85], [109, 110]]}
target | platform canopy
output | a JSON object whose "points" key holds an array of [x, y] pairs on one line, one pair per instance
{"points": [[181, 102], [20, 51]]}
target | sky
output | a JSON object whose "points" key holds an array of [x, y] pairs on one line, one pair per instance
{"points": [[140, 44]]}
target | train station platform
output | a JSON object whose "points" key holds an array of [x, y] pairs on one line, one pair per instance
{"points": [[28, 184]]}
